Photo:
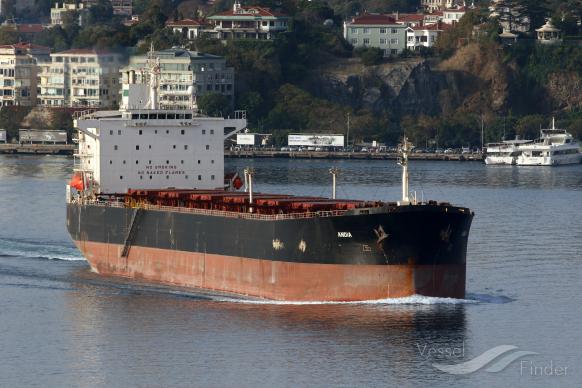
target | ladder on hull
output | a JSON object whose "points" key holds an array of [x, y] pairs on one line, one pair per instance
{"points": [[131, 231]]}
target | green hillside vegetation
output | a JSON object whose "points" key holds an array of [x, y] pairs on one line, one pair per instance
{"points": [[271, 76]]}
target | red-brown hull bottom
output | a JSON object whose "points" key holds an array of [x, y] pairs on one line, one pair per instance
{"points": [[275, 279]]}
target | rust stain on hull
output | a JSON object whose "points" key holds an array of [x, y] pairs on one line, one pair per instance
{"points": [[276, 280]]}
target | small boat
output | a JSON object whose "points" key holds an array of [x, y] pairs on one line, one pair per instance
{"points": [[505, 152]]}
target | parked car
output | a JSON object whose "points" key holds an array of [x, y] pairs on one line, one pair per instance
{"points": [[449, 151]]}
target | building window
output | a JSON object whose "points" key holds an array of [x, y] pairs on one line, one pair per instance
{"points": [[115, 147], [140, 132], [383, 41], [393, 51], [354, 41], [186, 176], [174, 146], [207, 147], [167, 162], [394, 31], [212, 131], [394, 41], [204, 131], [366, 41], [111, 162], [199, 177], [212, 177], [150, 146], [198, 161], [141, 177], [111, 132], [124, 162], [119, 131], [182, 132], [120, 177], [181, 162], [167, 177], [137, 162], [137, 148], [149, 162], [212, 161], [150, 177], [382, 30], [366, 30], [354, 30], [186, 146], [167, 132]]}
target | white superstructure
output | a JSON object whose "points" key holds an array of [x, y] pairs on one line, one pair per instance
{"points": [[152, 149], [554, 147]]}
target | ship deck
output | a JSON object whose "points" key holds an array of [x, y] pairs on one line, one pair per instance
{"points": [[233, 204], [236, 202]]}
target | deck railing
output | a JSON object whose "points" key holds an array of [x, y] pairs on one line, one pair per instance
{"points": [[216, 213]]}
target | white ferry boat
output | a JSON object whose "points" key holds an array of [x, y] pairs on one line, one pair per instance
{"points": [[505, 152], [554, 147]]}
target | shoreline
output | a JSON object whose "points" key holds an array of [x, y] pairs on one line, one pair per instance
{"points": [[350, 155]]}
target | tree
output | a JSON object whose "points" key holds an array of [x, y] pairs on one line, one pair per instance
{"points": [[370, 55], [252, 102], [8, 35], [214, 104], [102, 12], [535, 10]]}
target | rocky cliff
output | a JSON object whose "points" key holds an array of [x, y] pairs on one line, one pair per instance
{"points": [[476, 79]]}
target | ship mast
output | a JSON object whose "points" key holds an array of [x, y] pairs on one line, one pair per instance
{"points": [[249, 172], [333, 171], [405, 149], [153, 64]]}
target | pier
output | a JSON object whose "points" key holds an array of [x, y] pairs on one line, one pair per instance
{"points": [[39, 149], [349, 155]]}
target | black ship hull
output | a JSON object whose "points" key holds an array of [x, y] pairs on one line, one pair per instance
{"points": [[361, 254]]}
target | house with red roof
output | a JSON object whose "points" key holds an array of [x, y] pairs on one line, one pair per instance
{"points": [[247, 22], [18, 73], [424, 36], [376, 30], [188, 28]]}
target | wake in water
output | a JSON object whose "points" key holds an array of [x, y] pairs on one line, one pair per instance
{"points": [[409, 300], [39, 249]]}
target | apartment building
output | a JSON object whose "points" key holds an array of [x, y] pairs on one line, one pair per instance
{"points": [[59, 10], [18, 73], [183, 77], [79, 78], [374, 30]]}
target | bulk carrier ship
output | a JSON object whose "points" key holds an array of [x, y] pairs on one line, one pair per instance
{"points": [[149, 200]]}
